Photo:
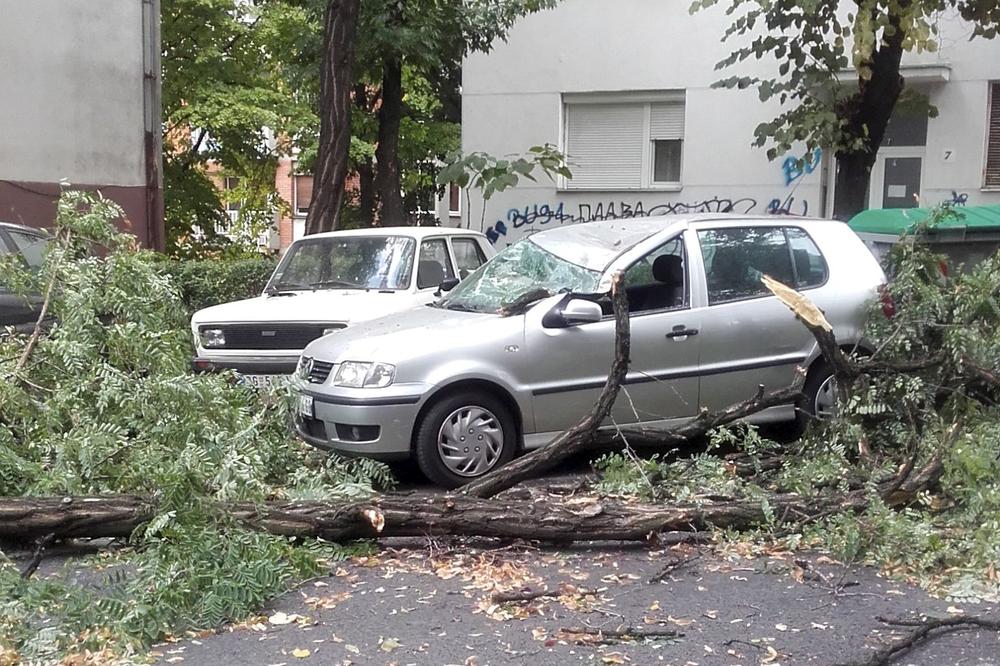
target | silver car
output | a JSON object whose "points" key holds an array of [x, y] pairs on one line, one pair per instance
{"points": [[462, 388]]}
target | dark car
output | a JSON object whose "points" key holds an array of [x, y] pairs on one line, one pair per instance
{"points": [[17, 310]]}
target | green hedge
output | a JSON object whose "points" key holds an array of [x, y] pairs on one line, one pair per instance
{"points": [[205, 282]]}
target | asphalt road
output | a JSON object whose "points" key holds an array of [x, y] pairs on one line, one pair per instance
{"points": [[431, 603]]}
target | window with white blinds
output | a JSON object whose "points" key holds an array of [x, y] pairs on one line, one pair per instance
{"points": [[991, 178], [623, 141]]}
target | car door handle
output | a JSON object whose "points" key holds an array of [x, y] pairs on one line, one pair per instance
{"points": [[682, 331]]}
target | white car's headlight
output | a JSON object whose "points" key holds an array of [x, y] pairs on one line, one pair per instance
{"points": [[358, 374], [212, 337]]}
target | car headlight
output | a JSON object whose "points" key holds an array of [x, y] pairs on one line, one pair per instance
{"points": [[328, 331], [212, 337], [358, 374]]}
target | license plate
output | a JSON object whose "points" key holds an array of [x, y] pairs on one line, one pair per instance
{"points": [[306, 405], [262, 381]]}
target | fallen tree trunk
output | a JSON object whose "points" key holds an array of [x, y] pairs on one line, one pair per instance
{"points": [[578, 519]]}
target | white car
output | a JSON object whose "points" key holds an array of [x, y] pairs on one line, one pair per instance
{"points": [[327, 282]]}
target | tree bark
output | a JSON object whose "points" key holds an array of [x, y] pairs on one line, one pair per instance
{"points": [[340, 32], [868, 117], [578, 519], [366, 167], [390, 114], [582, 434]]}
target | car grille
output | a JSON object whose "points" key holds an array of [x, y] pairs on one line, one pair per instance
{"points": [[272, 336], [320, 371]]}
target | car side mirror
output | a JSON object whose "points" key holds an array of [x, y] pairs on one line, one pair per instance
{"points": [[446, 285], [573, 312]]}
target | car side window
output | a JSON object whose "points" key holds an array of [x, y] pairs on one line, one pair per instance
{"points": [[737, 258], [30, 246], [468, 255], [658, 281], [434, 266], [808, 261]]}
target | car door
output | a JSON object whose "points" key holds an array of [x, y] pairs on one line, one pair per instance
{"points": [[662, 382], [16, 309], [748, 337]]}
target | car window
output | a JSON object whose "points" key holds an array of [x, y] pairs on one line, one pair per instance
{"points": [[30, 246], [737, 258], [346, 262], [808, 261], [434, 266], [658, 281], [468, 255]]}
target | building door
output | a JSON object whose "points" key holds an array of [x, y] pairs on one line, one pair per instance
{"points": [[896, 178], [898, 170]]}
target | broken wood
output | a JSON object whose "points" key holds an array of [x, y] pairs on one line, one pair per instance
{"points": [[922, 633], [578, 519], [622, 634], [528, 594], [580, 436]]}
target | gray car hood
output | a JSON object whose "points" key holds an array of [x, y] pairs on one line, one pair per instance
{"points": [[413, 333]]}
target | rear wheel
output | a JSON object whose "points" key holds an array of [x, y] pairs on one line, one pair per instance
{"points": [[464, 436]]}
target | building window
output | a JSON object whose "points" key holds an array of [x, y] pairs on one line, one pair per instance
{"points": [[991, 179], [303, 194], [454, 200], [624, 141]]}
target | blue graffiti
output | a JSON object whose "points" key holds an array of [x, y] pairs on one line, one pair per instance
{"points": [[958, 199], [778, 207], [794, 168]]}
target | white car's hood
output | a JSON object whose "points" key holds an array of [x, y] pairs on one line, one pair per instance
{"points": [[327, 305]]}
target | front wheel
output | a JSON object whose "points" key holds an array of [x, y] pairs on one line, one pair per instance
{"points": [[819, 402], [464, 436]]}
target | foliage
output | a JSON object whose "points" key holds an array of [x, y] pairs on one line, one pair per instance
{"points": [[490, 174], [945, 329], [814, 43], [229, 103], [205, 282], [104, 404]]}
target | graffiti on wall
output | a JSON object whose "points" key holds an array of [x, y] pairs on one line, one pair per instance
{"points": [[533, 216], [794, 168], [958, 198]]}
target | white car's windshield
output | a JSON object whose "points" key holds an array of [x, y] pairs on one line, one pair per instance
{"points": [[521, 268], [346, 262]]}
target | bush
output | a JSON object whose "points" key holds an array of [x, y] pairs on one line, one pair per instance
{"points": [[104, 404], [205, 282]]}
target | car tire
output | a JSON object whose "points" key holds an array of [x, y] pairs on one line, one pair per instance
{"points": [[819, 397], [477, 415]]}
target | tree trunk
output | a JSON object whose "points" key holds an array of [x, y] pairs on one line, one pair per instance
{"points": [[869, 116], [579, 519], [388, 180], [340, 31]]}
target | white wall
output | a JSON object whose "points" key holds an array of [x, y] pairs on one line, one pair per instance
{"points": [[72, 85], [512, 99]]}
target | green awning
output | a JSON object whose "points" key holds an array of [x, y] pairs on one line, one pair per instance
{"points": [[895, 221]]}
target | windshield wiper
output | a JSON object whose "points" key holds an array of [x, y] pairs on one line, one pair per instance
{"points": [[336, 283], [458, 307], [285, 288]]}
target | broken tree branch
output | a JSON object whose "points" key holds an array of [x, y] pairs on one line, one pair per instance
{"points": [[581, 435], [924, 627]]}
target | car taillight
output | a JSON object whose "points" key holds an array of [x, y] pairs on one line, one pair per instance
{"points": [[888, 305]]}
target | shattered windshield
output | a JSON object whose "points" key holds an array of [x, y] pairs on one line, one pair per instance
{"points": [[346, 262], [521, 268]]}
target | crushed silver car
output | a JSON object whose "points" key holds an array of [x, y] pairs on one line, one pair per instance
{"points": [[462, 388]]}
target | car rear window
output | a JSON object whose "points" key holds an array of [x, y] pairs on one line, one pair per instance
{"points": [[737, 258]]}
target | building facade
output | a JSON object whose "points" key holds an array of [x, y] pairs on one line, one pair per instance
{"points": [[625, 90], [81, 85]]}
